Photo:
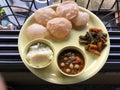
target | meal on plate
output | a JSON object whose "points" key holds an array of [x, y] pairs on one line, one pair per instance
{"points": [[71, 61], [67, 9], [43, 15], [36, 31], [94, 40], [59, 28], [39, 55]]}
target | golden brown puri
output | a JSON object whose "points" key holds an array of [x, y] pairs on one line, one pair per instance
{"points": [[80, 20], [36, 31], [43, 15], [59, 28], [67, 9]]}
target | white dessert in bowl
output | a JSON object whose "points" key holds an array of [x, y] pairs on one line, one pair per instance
{"points": [[38, 53]]}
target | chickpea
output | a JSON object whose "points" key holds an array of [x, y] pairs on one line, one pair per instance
{"points": [[62, 64], [76, 66], [73, 57], [71, 66], [73, 54], [69, 53], [70, 57], [67, 70], [65, 54], [65, 58]]}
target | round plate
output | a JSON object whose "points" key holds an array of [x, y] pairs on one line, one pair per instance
{"points": [[51, 73]]}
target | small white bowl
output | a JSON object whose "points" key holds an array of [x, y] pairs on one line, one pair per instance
{"points": [[34, 42], [75, 49]]}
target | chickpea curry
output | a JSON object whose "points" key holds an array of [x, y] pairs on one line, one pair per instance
{"points": [[71, 61]]}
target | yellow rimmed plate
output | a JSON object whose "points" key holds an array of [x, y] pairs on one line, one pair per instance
{"points": [[51, 73]]}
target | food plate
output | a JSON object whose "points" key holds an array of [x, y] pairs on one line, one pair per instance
{"points": [[51, 73]]}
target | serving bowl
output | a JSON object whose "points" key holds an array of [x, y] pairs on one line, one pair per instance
{"points": [[71, 61], [38, 53]]}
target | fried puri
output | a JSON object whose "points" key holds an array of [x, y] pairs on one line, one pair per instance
{"points": [[36, 31], [67, 9], [43, 15], [59, 28]]}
